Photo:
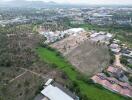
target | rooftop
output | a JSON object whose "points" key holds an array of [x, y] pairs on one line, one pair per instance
{"points": [[113, 84], [54, 93]]}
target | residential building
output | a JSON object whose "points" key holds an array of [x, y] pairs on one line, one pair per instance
{"points": [[117, 73]]}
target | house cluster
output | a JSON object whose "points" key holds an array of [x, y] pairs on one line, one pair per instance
{"points": [[127, 52], [102, 16], [55, 91], [123, 20], [102, 37], [54, 36], [115, 81], [117, 47], [13, 21], [100, 19], [108, 19]]}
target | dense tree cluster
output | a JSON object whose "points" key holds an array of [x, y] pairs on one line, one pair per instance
{"points": [[4, 52]]}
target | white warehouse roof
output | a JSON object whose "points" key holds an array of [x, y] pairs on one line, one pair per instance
{"points": [[74, 30], [54, 93]]}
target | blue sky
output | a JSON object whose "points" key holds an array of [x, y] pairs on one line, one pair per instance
{"points": [[89, 1]]}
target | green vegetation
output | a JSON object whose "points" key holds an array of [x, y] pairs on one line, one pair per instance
{"points": [[112, 57], [4, 55], [16, 51], [130, 65], [82, 86], [124, 60], [130, 78], [24, 88]]}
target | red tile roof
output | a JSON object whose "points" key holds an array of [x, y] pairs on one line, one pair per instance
{"points": [[126, 92], [113, 79], [116, 88], [113, 84], [113, 69]]}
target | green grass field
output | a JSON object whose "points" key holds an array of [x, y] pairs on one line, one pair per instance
{"points": [[90, 90]]}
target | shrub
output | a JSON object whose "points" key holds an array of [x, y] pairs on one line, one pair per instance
{"points": [[26, 83], [130, 65], [124, 61]]}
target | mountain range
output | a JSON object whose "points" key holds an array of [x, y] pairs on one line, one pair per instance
{"points": [[25, 3]]}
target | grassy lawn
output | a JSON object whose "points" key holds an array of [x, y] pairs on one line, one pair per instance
{"points": [[90, 90]]}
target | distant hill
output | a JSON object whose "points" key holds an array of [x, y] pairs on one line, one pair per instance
{"points": [[25, 3], [51, 4]]}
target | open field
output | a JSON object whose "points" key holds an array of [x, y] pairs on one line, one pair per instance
{"points": [[89, 57], [89, 90]]}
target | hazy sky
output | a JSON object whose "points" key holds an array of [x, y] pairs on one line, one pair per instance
{"points": [[88, 1]]}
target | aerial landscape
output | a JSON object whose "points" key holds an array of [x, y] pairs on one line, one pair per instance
{"points": [[65, 50]]}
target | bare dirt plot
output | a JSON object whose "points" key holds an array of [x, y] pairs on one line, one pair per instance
{"points": [[69, 43], [89, 58]]}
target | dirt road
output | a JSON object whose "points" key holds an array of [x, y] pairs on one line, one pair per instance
{"points": [[25, 71], [17, 77], [118, 62]]}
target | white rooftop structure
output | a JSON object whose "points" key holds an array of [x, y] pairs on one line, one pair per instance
{"points": [[114, 46], [74, 30], [116, 50], [109, 35], [57, 35], [54, 93], [94, 35], [48, 82], [101, 36]]}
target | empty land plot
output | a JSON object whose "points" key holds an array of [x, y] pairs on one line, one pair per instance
{"points": [[89, 57], [69, 43]]}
